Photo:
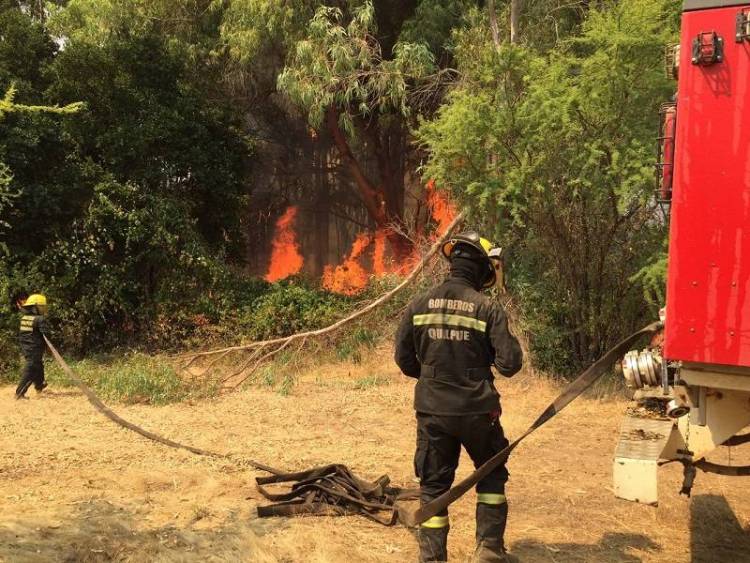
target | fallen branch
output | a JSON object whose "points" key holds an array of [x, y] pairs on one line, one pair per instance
{"points": [[245, 365], [284, 341], [268, 356]]}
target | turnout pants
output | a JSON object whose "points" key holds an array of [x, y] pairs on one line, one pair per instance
{"points": [[439, 441], [33, 372]]}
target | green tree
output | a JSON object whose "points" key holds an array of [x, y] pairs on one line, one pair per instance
{"points": [[359, 72], [24, 44], [9, 106], [130, 212], [555, 151], [341, 80]]}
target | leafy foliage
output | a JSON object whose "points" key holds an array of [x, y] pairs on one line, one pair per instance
{"points": [[131, 207], [251, 27], [131, 378], [341, 66], [554, 150]]}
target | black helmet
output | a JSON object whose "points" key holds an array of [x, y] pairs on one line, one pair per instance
{"points": [[471, 245]]}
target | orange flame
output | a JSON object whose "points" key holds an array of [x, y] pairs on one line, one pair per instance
{"points": [[286, 259], [350, 277], [441, 208], [379, 267], [383, 265]]}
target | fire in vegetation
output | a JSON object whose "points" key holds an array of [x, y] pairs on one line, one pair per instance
{"points": [[286, 259], [350, 277], [379, 266], [441, 208]]}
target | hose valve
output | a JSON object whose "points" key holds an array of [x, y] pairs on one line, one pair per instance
{"points": [[642, 369]]}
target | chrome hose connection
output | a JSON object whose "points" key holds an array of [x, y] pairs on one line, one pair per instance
{"points": [[642, 369]]}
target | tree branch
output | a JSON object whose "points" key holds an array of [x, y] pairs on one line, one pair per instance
{"points": [[515, 13]]}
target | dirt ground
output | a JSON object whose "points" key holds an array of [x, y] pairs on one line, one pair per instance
{"points": [[74, 487]]}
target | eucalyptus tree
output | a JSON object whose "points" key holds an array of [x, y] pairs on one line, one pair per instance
{"points": [[133, 208], [358, 72], [340, 78]]}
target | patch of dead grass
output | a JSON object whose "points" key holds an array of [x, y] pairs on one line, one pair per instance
{"points": [[75, 487]]}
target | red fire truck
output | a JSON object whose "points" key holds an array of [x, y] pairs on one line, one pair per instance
{"points": [[693, 387]]}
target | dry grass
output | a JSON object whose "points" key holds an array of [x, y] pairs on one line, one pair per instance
{"points": [[73, 487]]}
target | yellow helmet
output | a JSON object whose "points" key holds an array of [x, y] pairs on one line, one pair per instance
{"points": [[35, 299], [38, 300], [486, 250]]}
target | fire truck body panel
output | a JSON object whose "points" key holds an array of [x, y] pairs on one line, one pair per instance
{"points": [[708, 287], [689, 5], [693, 396]]}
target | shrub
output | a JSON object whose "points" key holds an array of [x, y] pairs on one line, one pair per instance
{"points": [[289, 307], [350, 346], [133, 378]]}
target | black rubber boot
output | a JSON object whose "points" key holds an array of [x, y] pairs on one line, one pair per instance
{"points": [[23, 386], [433, 544], [491, 521]]}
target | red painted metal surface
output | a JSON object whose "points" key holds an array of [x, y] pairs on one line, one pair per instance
{"points": [[708, 286], [667, 153]]}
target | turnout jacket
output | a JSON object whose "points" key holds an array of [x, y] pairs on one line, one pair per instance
{"points": [[448, 339], [30, 337]]}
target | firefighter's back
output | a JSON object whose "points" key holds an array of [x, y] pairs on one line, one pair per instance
{"points": [[450, 337]]}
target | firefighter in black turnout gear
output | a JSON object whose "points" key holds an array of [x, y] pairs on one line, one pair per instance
{"points": [[448, 340], [31, 341]]}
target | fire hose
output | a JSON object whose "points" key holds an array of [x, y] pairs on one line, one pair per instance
{"points": [[117, 419], [334, 490]]}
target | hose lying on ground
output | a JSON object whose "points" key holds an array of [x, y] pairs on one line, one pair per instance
{"points": [[117, 419], [334, 490], [329, 490]]}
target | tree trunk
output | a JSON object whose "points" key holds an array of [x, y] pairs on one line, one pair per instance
{"points": [[388, 147], [322, 209], [515, 12], [493, 23], [373, 196]]}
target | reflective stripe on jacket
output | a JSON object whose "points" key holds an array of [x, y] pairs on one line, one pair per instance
{"points": [[449, 339], [30, 338]]}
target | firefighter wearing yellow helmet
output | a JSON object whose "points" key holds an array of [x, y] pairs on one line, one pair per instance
{"points": [[448, 340], [31, 341]]}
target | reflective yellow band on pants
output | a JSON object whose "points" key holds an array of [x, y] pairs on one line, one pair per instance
{"points": [[491, 498], [436, 522]]}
